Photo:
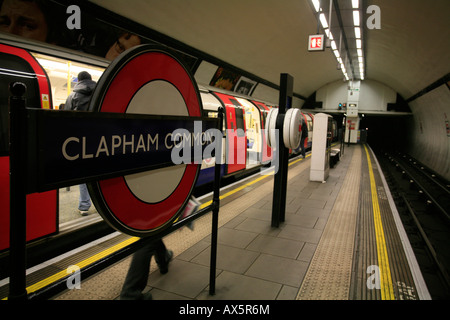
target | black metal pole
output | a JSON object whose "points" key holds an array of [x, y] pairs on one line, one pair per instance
{"points": [[280, 180], [17, 174], [215, 211]]}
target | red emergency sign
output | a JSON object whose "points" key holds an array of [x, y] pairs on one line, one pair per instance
{"points": [[316, 42]]}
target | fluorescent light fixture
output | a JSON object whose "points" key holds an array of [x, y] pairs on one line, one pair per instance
{"points": [[360, 59], [361, 67], [339, 59], [333, 45], [336, 53], [356, 18], [316, 4], [323, 21], [358, 32], [358, 44], [355, 4], [359, 52]]}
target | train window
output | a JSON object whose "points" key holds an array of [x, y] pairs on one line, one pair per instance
{"points": [[63, 75], [13, 68], [240, 122]]}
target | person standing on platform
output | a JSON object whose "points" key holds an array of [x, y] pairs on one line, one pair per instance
{"points": [[137, 276], [78, 100], [304, 136]]}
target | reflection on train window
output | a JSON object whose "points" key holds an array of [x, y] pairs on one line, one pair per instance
{"points": [[63, 75], [12, 69]]}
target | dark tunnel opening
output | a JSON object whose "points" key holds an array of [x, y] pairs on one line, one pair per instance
{"points": [[387, 133]]}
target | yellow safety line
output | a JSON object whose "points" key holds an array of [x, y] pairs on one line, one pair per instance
{"points": [[57, 276], [82, 264], [387, 290]]}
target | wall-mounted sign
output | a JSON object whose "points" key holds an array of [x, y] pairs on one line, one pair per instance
{"points": [[316, 42], [146, 80]]}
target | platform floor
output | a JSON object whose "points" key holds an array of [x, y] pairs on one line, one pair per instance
{"points": [[327, 248]]}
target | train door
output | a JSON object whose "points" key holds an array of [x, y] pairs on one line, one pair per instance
{"points": [[252, 117], [236, 139], [266, 151], [42, 208]]}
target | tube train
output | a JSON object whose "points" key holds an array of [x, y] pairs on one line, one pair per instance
{"points": [[49, 74]]}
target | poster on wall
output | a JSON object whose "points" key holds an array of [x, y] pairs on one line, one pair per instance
{"points": [[224, 79]]}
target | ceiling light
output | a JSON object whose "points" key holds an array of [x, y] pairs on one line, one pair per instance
{"points": [[316, 4], [336, 53], [358, 44], [355, 4], [329, 34], [333, 45], [323, 21], [357, 32], [360, 59], [359, 52], [356, 18]]}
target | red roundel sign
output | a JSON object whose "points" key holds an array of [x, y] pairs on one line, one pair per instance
{"points": [[146, 80]]}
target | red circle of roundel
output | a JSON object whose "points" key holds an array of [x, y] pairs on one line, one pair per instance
{"points": [[142, 66]]}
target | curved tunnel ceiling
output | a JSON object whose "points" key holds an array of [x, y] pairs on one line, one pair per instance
{"points": [[269, 37]]}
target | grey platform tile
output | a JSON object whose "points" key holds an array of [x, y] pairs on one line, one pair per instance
{"points": [[321, 223], [234, 222], [228, 258], [320, 196], [313, 203], [193, 251], [259, 213], [232, 286], [276, 246], [307, 252], [300, 234], [164, 295], [235, 238], [258, 226], [306, 221], [287, 293], [277, 269], [184, 279], [317, 212]]}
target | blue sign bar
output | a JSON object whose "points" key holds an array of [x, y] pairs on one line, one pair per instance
{"points": [[74, 147]]}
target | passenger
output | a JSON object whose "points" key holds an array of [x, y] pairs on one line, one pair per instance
{"points": [[303, 138], [137, 276], [78, 100]]}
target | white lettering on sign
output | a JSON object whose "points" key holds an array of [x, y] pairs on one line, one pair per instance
{"points": [[74, 148], [119, 144]]}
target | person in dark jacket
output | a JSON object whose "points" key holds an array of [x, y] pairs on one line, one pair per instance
{"points": [[78, 100], [303, 138]]}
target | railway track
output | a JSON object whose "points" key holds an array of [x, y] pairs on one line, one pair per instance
{"points": [[423, 201]]}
